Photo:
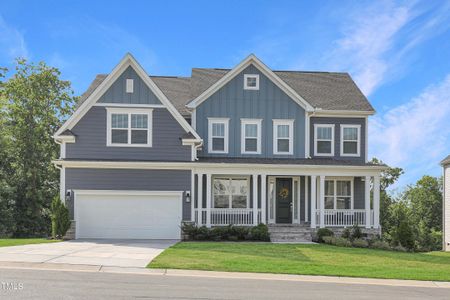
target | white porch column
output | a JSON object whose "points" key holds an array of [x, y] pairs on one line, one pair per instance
{"points": [[263, 198], [306, 199], [255, 199], [313, 200], [376, 201], [208, 200], [367, 200], [322, 201], [193, 196], [200, 199]]}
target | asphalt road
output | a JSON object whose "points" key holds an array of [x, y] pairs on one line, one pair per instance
{"points": [[42, 284]]}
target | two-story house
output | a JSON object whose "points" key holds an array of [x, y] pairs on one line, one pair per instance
{"points": [[248, 145]]}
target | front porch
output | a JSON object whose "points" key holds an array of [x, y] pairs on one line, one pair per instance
{"points": [[334, 199]]}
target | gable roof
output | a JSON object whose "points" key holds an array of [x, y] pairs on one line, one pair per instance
{"points": [[102, 83], [445, 161], [328, 91]]}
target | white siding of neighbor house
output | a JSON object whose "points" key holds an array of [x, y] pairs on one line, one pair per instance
{"points": [[446, 201]]}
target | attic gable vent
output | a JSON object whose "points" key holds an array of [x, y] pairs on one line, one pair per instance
{"points": [[130, 86]]}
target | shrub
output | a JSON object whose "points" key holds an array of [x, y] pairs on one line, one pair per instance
{"points": [[341, 242], [322, 232], [360, 243], [400, 248], [260, 233], [329, 240], [346, 233], [379, 244], [356, 232], [240, 232], [60, 218]]}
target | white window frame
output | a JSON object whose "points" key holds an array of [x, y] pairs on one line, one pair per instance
{"points": [[317, 126], [290, 123], [246, 87], [224, 121], [110, 111], [129, 86], [358, 141], [256, 122], [230, 196], [335, 196]]}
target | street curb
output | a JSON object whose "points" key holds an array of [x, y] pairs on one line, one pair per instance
{"points": [[228, 275]]}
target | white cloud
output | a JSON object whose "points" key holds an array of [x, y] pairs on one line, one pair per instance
{"points": [[12, 42], [415, 135]]}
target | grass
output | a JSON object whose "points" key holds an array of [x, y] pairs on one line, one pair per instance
{"points": [[304, 259], [18, 242]]}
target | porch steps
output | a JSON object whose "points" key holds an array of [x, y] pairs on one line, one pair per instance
{"points": [[290, 233]]}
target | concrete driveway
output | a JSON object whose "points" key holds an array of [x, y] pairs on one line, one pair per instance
{"points": [[118, 253]]}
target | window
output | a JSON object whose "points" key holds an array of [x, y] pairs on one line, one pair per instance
{"points": [[283, 133], [323, 140], [251, 82], [251, 136], [129, 127], [230, 192], [338, 194], [350, 140], [217, 135], [129, 86]]}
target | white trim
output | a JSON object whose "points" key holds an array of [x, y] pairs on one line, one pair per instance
{"points": [[256, 122], [255, 199], [263, 198], [313, 200], [127, 61], [358, 142], [296, 183], [129, 86], [129, 112], [225, 122], [254, 88], [367, 200], [281, 169], [208, 200], [307, 134], [62, 184], [335, 195], [230, 195], [128, 192], [192, 192], [316, 126], [306, 199], [366, 127], [342, 113], [64, 138], [62, 149], [322, 200], [194, 119], [251, 59], [276, 123], [129, 105]]}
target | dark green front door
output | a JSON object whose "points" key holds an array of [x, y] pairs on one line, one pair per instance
{"points": [[284, 200]]}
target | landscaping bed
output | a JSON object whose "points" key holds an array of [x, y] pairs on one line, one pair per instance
{"points": [[320, 259]]}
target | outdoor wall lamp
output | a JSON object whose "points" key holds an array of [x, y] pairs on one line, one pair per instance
{"points": [[188, 197]]}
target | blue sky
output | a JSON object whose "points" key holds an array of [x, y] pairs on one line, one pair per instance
{"points": [[397, 52]]}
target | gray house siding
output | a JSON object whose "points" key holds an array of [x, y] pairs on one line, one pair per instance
{"points": [[267, 103], [359, 188], [337, 135], [90, 143], [130, 179], [117, 92]]}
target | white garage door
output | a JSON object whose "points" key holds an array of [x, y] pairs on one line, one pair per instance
{"points": [[128, 215]]}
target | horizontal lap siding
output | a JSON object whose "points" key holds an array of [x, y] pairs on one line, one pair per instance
{"points": [[130, 179], [267, 103], [91, 139]]}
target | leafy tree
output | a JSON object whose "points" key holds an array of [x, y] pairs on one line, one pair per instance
{"points": [[34, 102], [401, 232]]}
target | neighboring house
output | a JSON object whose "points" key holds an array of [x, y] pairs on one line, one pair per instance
{"points": [[446, 203], [239, 146]]}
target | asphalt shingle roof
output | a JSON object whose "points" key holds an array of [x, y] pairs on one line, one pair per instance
{"points": [[325, 90], [446, 161]]}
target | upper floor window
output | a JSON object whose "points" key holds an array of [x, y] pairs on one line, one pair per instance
{"points": [[251, 82], [283, 136], [250, 136], [129, 127], [218, 135], [323, 140], [350, 140], [338, 194]]}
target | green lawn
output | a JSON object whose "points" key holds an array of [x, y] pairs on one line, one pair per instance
{"points": [[304, 259], [17, 242]]}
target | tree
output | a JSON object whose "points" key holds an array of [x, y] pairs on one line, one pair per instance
{"points": [[34, 102]]}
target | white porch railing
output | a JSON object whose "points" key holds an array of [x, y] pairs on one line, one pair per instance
{"points": [[227, 216], [344, 217]]}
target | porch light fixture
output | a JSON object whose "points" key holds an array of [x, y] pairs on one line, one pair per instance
{"points": [[188, 197]]}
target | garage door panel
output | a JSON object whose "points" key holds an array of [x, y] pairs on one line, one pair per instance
{"points": [[128, 216]]}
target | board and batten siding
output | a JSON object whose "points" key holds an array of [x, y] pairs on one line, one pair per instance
{"points": [[91, 135], [446, 202], [268, 103], [337, 135], [130, 179], [117, 92]]}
